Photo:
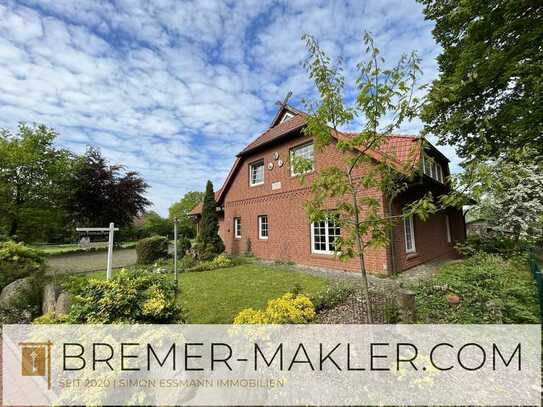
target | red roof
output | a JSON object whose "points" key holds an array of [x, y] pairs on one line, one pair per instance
{"points": [[273, 133], [198, 208], [398, 150]]}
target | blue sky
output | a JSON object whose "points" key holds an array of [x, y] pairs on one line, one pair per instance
{"points": [[175, 89]]}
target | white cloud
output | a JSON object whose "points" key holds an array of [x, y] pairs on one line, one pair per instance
{"points": [[175, 89]]}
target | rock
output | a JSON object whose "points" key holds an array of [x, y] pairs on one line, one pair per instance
{"points": [[15, 289], [49, 298], [453, 299], [64, 303]]}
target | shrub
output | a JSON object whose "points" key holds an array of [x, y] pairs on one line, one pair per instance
{"points": [[187, 262], [218, 262], [129, 297], [151, 249], [183, 245], [491, 290], [332, 296], [288, 309], [496, 244], [51, 318], [18, 261]]}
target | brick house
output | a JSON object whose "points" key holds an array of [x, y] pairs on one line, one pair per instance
{"points": [[260, 204]]}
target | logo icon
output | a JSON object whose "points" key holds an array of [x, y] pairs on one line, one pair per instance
{"points": [[36, 359]]}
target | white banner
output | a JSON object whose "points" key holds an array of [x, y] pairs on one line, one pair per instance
{"points": [[272, 365]]}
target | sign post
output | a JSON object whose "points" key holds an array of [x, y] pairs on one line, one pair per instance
{"points": [[111, 229], [175, 223]]}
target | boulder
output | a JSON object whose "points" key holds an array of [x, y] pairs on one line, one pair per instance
{"points": [[15, 289], [49, 298], [64, 303]]}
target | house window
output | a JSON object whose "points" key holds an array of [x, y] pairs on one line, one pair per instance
{"points": [[409, 232], [432, 168], [305, 152], [323, 236], [237, 228], [256, 173], [263, 227], [448, 228], [286, 117]]}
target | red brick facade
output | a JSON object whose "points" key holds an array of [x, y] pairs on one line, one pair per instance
{"points": [[281, 198]]}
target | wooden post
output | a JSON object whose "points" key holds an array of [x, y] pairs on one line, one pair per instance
{"points": [[175, 222], [408, 311], [110, 251]]}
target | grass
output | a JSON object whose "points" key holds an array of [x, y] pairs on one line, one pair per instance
{"points": [[216, 297], [491, 290]]}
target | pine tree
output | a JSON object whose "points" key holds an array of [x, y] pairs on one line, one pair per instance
{"points": [[209, 242]]}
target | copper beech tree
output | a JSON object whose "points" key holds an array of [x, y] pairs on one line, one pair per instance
{"points": [[385, 98]]}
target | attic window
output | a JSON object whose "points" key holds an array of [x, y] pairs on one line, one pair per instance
{"points": [[286, 117], [432, 168]]}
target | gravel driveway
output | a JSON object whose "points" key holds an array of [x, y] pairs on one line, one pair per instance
{"points": [[84, 262]]}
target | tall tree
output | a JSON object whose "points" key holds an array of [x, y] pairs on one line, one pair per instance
{"points": [[32, 178], [182, 208], [488, 99], [103, 193], [209, 242], [154, 224], [384, 100], [509, 194]]}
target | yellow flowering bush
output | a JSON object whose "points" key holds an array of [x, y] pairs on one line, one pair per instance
{"points": [[129, 297], [250, 316], [288, 309], [155, 303]]}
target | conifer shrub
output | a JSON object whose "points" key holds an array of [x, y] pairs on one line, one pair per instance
{"points": [[150, 249]]}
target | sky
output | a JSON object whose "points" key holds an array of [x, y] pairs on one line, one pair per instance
{"points": [[174, 89]]}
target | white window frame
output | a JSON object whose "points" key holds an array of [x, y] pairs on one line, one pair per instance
{"points": [[252, 167], [293, 154], [260, 227], [326, 251], [432, 168], [237, 228], [409, 235], [448, 228], [286, 116]]}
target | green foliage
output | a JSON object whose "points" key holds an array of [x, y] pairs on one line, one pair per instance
{"points": [[183, 245], [221, 261], [288, 309], [51, 318], [181, 209], [209, 243], [19, 261], [333, 295], [386, 97], [499, 244], [152, 224], [33, 179], [101, 193], [129, 297], [491, 290], [151, 249], [488, 98], [509, 194]]}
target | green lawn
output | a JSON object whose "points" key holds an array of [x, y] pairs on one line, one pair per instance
{"points": [[215, 297]]}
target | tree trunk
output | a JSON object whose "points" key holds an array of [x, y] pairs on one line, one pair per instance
{"points": [[360, 249], [13, 227]]}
